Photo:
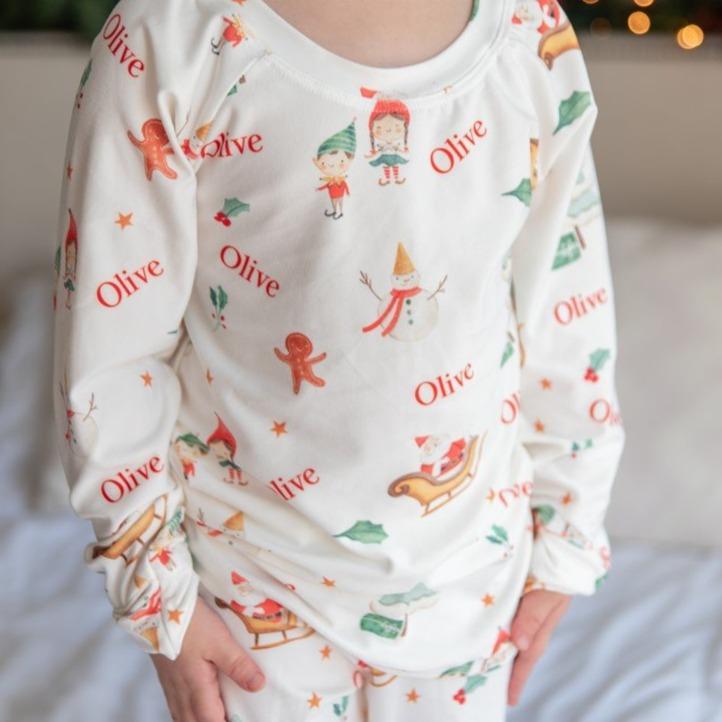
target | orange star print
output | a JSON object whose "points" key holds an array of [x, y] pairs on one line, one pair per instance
{"points": [[153, 147]]}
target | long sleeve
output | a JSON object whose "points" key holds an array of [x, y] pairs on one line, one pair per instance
{"points": [[564, 302], [125, 263]]}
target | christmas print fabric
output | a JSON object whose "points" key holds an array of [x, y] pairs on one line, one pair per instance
{"points": [[353, 341], [309, 677]]}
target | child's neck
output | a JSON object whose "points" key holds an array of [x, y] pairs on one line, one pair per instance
{"points": [[384, 33]]}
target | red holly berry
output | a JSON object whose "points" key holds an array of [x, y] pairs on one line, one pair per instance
{"points": [[460, 696], [591, 375]]}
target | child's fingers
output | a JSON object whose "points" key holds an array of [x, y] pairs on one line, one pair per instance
{"points": [[235, 662], [205, 703], [533, 610], [523, 664]]}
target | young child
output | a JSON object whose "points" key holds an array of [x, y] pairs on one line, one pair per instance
{"points": [[334, 356]]}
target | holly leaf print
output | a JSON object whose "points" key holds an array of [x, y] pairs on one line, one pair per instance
{"points": [[572, 108], [339, 709], [474, 681], [418, 592], [222, 298], [232, 207], [462, 669], [500, 532], [598, 358], [365, 532], [545, 513], [523, 192]]}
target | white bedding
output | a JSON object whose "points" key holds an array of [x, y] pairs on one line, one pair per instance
{"points": [[646, 648]]}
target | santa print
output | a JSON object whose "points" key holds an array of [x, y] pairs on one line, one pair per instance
{"points": [[439, 454], [333, 158], [254, 603], [544, 19], [409, 312], [222, 443], [389, 135]]}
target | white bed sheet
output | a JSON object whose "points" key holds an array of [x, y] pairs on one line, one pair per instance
{"points": [[646, 648]]}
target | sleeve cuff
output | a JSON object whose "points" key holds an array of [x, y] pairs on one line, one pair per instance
{"points": [[568, 562]]}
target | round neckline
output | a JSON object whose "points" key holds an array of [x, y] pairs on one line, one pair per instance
{"points": [[438, 74]]}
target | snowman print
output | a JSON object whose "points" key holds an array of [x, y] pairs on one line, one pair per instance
{"points": [[408, 312]]}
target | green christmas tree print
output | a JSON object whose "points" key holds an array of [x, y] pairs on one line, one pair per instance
{"points": [[567, 251]]}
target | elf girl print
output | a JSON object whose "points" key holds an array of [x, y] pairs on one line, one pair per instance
{"points": [[408, 312], [388, 134], [277, 405], [333, 158]]}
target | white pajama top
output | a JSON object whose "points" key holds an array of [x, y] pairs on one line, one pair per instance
{"points": [[337, 340]]}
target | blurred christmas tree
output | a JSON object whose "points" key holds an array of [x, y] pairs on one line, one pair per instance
{"points": [[83, 16], [638, 16]]}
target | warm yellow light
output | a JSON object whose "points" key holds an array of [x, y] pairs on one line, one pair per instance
{"points": [[590, 2], [643, 3], [600, 26], [690, 36], [638, 22]]}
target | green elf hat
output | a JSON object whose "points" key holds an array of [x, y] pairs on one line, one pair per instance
{"points": [[343, 140]]}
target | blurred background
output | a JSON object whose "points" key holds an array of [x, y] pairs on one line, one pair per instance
{"points": [[648, 646]]}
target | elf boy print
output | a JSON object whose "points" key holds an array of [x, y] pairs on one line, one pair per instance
{"points": [[333, 158], [388, 134], [234, 33], [189, 448]]}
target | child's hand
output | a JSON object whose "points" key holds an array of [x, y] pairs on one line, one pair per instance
{"points": [[538, 613], [190, 681]]}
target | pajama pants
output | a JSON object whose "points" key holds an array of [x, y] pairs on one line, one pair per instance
{"points": [[308, 678]]}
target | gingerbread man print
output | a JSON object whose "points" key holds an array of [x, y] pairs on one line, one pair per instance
{"points": [[299, 348], [153, 147]]}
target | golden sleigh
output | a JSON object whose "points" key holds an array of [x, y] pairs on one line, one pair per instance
{"points": [[258, 626], [427, 489], [556, 41], [134, 534]]}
